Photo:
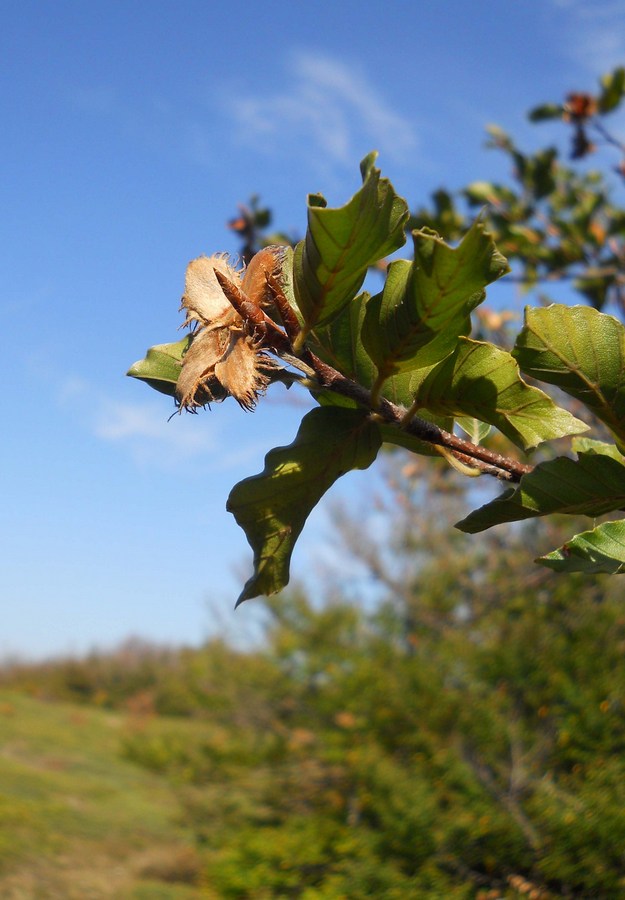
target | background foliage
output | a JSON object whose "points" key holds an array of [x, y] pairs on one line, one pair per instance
{"points": [[463, 737]]}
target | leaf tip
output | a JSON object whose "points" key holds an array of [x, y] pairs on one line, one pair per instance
{"points": [[367, 165]]}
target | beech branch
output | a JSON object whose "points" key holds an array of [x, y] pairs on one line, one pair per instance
{"points": [[269, 336], [488, 462]]}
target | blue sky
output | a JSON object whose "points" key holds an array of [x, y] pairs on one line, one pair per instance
{"points": [[131, 132]]}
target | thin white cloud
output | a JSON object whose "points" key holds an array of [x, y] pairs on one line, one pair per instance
{"points": [[153, 435], [594, 33], [330, 107], [140, 423], [144, 428]]}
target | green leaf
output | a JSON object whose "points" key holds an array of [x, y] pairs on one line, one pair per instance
{"points": [[595, 290], [330, 264], [612, 89], [160, 367], [476, 431], [481, 380], [600, 550], [542, 173], [340, 345], [581, 351], [588, 445], [273, 506], [425, 305], [545, 112], [498, 196], [402, 388], [591, 486], [479, 193]]}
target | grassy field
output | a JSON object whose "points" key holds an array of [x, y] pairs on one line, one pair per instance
{"points": [[77, 821]]}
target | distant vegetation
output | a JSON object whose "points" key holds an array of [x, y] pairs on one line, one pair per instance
{"points": [[463, 739]]}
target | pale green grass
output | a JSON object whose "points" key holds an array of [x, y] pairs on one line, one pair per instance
{"points": [[77, 821]]}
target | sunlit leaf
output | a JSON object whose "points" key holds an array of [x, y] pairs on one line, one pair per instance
{"points": [[602, 549], [340, 344], [331, 262], [545, 112], [612, 89], [480, 193], [592, 485], [588, 445], [273, 506], [481, 380], [161, 366], [475, 430], [425, 305], [581, 351]]}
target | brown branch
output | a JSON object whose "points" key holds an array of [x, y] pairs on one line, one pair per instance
{"points": [[487, 461], [606, 135], [271, 337]]}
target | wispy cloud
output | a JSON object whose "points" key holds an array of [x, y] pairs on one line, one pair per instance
{"points": [[325, 110], [331, 107], [594, 34], [142, 428], [140, 423]]}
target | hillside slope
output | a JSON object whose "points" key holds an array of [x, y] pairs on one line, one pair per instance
{"points": [[77, 820]]}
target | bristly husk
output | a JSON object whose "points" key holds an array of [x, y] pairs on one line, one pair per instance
{"points": [[223, 360], [197, 384], [203, 298]]}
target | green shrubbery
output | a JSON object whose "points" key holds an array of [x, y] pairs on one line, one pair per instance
{"points": [[464, 736]]}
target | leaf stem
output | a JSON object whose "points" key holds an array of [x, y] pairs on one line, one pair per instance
{"points": [[376, 390], [300, 340], [410, 414]]}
